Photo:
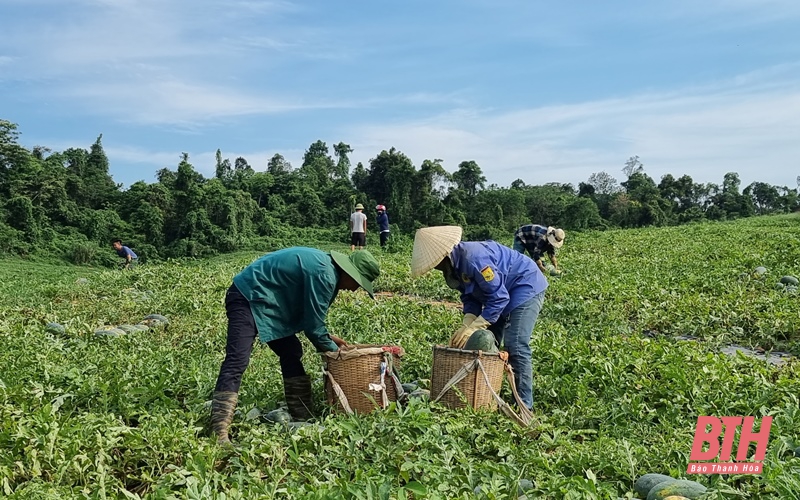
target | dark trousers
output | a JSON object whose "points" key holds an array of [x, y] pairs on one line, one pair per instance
{"points": [[242, 333], [384, 238]]}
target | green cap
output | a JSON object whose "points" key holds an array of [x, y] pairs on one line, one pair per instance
{"points": [[361, 266]]}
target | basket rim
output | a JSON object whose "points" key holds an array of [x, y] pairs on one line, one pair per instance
{"points": [[366, 350], [456, 350]]}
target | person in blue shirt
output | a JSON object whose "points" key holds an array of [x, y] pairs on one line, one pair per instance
{"points": [[383, 224], [130, 257], [501, 289], [274, 298]]}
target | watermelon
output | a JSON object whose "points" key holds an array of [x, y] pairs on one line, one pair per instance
{"points": [[423, 394], [524, 485], [142, 328], [109, 332], [294, 426], [676, 497], [797, 451], [676, 487], [56, 328], [645, 483], [128, 328], [409, 387], [253, 414], [280, 416], [761, 270], [481, 340], [155, 319], [790, 280]]}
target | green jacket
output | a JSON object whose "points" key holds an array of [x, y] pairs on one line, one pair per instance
{"points": [[290, 291]]}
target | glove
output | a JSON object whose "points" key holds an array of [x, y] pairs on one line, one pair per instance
{"points": [[468, 319], [460, 339]]}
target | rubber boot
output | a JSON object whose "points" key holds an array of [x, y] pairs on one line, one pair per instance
{"points": [[222, 407], [299, 400]]}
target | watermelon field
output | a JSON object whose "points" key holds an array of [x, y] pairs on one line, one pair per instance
{"points": [[617, 387]]}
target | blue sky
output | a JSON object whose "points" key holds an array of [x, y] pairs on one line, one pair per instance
{"points": [[538, 90]]}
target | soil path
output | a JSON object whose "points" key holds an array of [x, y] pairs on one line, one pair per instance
{"points": [[417, 298]]}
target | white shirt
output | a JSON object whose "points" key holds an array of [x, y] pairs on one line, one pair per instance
{"points": [[357, 219]]}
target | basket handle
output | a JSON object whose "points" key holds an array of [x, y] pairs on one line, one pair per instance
{"points": [[398, 386], [339, 392], [525, 417], [525, 413], [467, 368], [391, 372]]}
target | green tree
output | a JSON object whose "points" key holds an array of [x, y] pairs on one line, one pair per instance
{"points": [[603, 183], [342, 167], [223, 170], [360, 177], [633, 166], [469, 177], [278, 165], [318, 167], [99, 187], [765, 197]]}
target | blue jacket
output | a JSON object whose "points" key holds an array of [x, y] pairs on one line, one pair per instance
{"points": [[495, 279], [383, 222]]}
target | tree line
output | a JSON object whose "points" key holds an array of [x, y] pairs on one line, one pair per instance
{"points": [[67, 203]]}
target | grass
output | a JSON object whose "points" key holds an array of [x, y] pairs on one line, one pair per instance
{"points": [[88, 417]]}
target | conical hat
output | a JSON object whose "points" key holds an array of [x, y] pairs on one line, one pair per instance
{"points": [[555, 236], [431, 245]]}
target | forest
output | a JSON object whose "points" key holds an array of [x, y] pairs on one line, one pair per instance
{"points": [[65, 204]]}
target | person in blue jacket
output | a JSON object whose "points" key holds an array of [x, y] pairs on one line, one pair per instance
{"points": [[383, 224], [501, 289], [274, 298]]}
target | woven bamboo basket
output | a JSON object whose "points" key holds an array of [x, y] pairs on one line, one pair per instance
{"points": [[447, 361], [353, 381]]}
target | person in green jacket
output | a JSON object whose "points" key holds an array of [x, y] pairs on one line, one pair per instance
{"points": [[274, 298]]}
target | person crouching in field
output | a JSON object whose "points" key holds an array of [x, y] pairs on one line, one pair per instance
{"points": [[501, 289], [131, 259], [539, 240], [274, 298]]}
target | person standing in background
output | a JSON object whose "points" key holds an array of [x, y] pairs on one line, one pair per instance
{"points": [[383, 224], [358, 228]]}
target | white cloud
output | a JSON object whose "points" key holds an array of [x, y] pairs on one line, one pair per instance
{"points": [[174, 102], [752, 129]]}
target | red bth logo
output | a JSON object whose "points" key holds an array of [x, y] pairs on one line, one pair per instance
{"points": [[709, 430]]}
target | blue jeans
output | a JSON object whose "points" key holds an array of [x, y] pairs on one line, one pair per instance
{"points": [[515, 332]]}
